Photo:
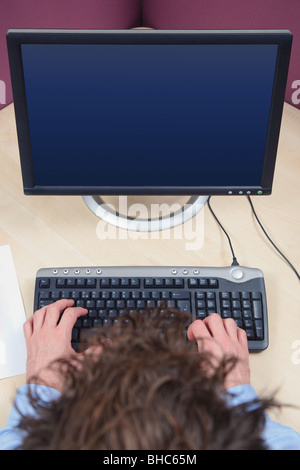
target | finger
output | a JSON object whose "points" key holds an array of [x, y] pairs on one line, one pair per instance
{"points": [[214, 324], [242, 337], [230, 327], [55, 310], [69, 318], [197, 329], [38, 318]]}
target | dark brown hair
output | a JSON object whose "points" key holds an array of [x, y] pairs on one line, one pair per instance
{"points": [[148, 389]]}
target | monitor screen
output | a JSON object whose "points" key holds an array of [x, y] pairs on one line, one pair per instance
{"points": [[151, 112]]}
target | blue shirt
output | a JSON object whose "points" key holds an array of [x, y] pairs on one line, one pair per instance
{"points": [[275, 435]]}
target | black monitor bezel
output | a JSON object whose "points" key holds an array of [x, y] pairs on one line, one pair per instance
{"points": [[17, 37]]}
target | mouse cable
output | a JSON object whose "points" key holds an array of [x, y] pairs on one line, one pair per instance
{"points": [[271, 241], [234, 260]]}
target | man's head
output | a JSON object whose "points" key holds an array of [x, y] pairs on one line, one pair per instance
{"points": [[148, 388]]}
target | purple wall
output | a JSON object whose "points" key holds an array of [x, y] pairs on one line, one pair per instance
{"points": [[233, 14], [159, 14], [87, 14]]}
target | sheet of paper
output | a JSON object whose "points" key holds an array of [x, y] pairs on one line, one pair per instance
{"points": [[12, 317]]}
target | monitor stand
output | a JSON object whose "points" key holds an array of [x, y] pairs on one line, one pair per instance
{"points": [[107, 213]]}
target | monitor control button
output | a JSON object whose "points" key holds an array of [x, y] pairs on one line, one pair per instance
{"points": [[174, 271], [237, 274]]}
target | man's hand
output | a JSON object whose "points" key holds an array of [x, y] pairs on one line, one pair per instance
{"points": [[223, 339], [48, 340]]}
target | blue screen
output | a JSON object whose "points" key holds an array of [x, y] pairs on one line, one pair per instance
{"points": [[148, 115]]}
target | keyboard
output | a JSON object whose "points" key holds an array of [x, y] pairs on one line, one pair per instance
{"points": [[234, 292]]}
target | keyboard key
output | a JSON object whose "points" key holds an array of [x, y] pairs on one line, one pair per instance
{"points": [[235, 295], [148, 282], [203, 283], [140, 304], [256, 295], [87, 323], [130, 303], [245, 295], [246, 304], [70, 282], [44, 295], [225, 295], [259, 331], [44, 283], [193, 283], [210, 295], [226, 314], [248, 324], [201, 304], [75, 294], [201, 314], [135, 282], [237, 314], [181, 294], [200, 295], [112, 314], [80, 282], [257, 309], [115, 282], [247, 314], [56, 295], [60, 283], [91, 283], [102, 314], [93, 313], [250, 334], [211, 304], [178, 282], [184, 305]]}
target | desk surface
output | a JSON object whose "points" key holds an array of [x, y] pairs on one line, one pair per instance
{"points": [[61, 231]]}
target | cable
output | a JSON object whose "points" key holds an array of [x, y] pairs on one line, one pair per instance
{"points": [[271, 241], [234, 260]]}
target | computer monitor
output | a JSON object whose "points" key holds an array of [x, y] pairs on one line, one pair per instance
{"points": [[148, 112]]}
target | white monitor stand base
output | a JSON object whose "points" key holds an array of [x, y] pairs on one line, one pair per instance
{"points": [[105, 212]]}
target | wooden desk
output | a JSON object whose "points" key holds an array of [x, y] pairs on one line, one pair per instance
{"points": [[61, 231]]}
